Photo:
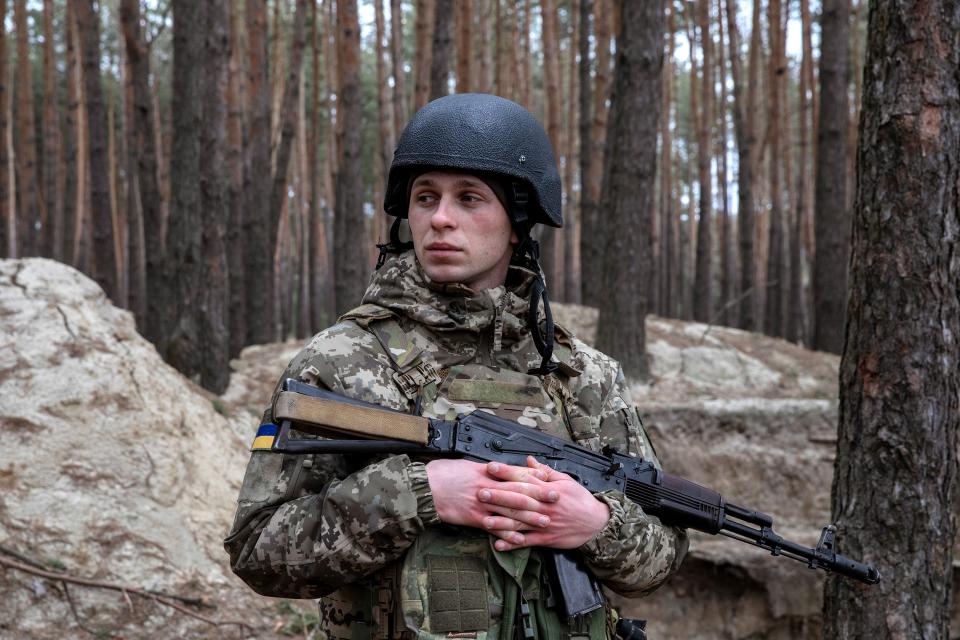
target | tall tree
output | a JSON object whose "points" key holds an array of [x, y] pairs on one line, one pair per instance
{"points": [[236, 101], [197, 342], [25, 140], [571, 238], [145, 151], [482, 43], [628, 193], [727, 265], [52, 176], [442, 48], [746, 133], [385, 140], [585, 96], [423, 62], [703, 278], [551, 239], [776, 273], [8, 234], [321, 288], [350, 274], [104, 253], [257, 179], [464, 29], [397, 59], [591, 239], [831, 218], [895, 479], [796, 320], [668, 222]]}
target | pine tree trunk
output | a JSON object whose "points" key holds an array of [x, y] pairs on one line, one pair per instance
{"points": [[385, 134], [288, 111], [442, 48], [773, 315], [397, 59], [727, 267], [135, 242], [482, 44], [796, 321], [425, 16], [73, 152], [52, 176], [257, 217], [571, 237], [895, 478], [703, 279], [832, 220], [592, 240], [628, 194], [104, 253], [350, 274], [585, 97], [668, 233], [464, 29], [236, 100], [551, 240], [747, 113], [320, 286], [198, 340], [147, 183], [8, 234], [25, 140]]}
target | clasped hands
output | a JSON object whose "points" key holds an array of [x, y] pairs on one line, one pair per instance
{"points": [[532, 506]]}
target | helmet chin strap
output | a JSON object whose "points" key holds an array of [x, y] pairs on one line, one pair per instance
{"points": [[528, 253], [394, 246]]}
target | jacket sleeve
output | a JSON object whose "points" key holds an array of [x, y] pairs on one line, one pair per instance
{"points": [[308, 524], [635, 552]]}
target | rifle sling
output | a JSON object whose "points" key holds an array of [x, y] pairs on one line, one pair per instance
{"points": [[350, 419]]}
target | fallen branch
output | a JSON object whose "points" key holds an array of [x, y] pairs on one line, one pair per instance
{"points": [[164, 599]]}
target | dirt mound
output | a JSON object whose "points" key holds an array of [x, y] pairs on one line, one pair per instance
{"points": [[113, 467]]}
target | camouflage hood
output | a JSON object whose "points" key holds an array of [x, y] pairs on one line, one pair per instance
{"points": [[451, 309]]}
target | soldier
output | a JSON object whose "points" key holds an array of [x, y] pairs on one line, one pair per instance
{"points": [[396, 547]]}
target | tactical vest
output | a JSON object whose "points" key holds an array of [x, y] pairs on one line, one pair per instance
{"points": [[452, 583]]}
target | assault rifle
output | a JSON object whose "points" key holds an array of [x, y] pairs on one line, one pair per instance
{"points": [[484, 437]]}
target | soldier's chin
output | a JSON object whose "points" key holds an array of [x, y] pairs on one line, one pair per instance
{"points": [[443, 273]]}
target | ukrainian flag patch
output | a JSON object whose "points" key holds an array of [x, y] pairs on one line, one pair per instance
{"points": [[266, 434]]}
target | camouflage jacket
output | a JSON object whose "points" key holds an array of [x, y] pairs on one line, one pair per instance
{"points": [[310, 526]]}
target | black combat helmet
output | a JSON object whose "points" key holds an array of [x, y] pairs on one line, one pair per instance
{"points": [[477, 132], [490, 136]]}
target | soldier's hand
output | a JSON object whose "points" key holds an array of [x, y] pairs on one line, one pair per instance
{"points": [[573, 517], [457, 487]]}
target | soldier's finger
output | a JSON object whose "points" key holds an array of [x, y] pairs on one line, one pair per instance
{"points": [[539, 492], [530, 519], [547, 473], [509, 499], [496, 523], [509, 544], [515, 474]]}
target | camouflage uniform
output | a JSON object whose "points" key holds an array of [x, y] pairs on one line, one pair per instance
{"points": [[364, 536]]}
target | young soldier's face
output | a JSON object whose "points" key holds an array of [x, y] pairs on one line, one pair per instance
{"points": [[461, 232]]}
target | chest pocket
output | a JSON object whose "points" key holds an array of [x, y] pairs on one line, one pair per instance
{"points": [[508, 394]]}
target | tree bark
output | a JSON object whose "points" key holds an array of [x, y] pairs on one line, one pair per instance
{"points": [[796, 321], [30, 206], [442, 48], [591, 239], [894, 485], [350, 274], [703, 278], [746, 132], [236, 100], [668, 218], [385, 138], [464, 29], [551, 240], [52, 176], [831, 218], [773, 316], [571, 237], [585, 97], [628, 196], [425, 10], [104, 254], [727, 266], [198, 342], [397, 59], [8, 232], [257, 217], [482, 43]]}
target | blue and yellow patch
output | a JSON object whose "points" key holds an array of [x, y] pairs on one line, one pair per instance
{"points": [[266, 434]]}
